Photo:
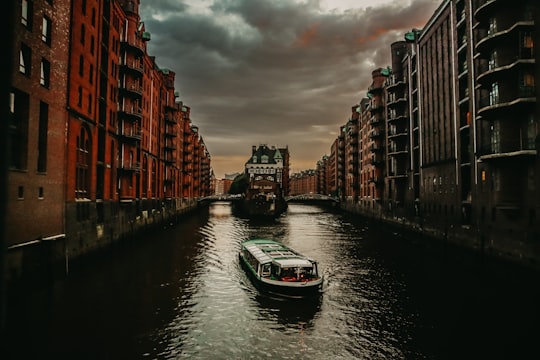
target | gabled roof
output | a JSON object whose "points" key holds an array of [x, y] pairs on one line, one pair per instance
{"points": [[270, 155]]}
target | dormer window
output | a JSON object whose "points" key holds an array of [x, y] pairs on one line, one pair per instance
{"points": [[264, 159], [254, 159]]}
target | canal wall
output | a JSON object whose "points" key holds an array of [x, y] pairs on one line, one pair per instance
{"points": [[91, 226], [516, 247]]}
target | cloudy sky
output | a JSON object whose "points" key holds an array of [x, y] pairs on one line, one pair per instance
{"points": [[276, 72]]}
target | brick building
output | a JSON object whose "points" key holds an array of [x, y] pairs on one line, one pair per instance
{"points": [[37, 124], [304, 182], [448, 136], [101, 143]]}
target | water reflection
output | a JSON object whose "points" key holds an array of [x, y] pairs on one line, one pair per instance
{"points": [[181, 293]]}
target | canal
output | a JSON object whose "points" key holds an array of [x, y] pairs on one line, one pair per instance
{"points": [[180, 293]]}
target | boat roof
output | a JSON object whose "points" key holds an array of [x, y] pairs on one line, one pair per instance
{"points": [[267, 251]]}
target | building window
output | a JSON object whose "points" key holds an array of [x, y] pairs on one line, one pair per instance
{"points": [[526, 84], [493, 60], [79, 101], [531, 132], [92, 44], [84, 7], [91, 74], [492, 26], [82, 165], [495, 137], [45, 73], [494, 94], [20, 192], [18, 126], [81, 65], [89, 103], [42, 136], [93, 17], [83, 33], [527, 45], [25, 60], [41, 193], [46, 30], [26, 13]]}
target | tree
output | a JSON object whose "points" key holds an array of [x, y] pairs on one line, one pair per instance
{"points": [[239, 185]]}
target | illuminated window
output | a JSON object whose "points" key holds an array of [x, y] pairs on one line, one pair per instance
{"points": [[46, 29], [45, 73]]}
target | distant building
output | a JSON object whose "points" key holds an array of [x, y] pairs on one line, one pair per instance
{"points": [[304, 182], [223, 186], [269, 163]]}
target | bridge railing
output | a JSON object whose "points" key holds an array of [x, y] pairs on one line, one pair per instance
{"points": [[312, 197]]}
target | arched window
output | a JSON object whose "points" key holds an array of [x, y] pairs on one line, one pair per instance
{"points": [[82, 172]]}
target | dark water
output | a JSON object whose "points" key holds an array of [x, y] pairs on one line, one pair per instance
{"points": [[181, 294]]}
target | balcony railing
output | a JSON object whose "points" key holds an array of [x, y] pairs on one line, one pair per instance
{"points": [[130, 166], [131, 113], [135, 134], [524, 92], [505, 149]]}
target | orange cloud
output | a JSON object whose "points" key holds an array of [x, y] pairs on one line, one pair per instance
{"points": [[306, 38], [373, 36]]}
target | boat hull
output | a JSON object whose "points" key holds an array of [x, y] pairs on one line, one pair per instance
{"points": [[282, 288], [259, 208]]}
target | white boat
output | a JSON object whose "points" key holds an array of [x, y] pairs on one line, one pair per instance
{"points": [[278, 269]]}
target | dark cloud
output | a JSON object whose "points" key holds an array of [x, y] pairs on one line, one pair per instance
{"points": [[280, 72]]}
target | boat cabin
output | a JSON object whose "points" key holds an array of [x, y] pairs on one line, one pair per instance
{"points": [[276, 262]]}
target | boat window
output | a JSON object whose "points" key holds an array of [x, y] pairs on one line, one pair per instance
{"points": [[288, 272], [275, 270], [265, 270]]}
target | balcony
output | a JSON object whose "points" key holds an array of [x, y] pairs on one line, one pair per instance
{"points": [[395, 116], [395, 134], [394, 82], [133, 45], [503, 38], [376, 107], [397, 100], [397, 175], [484, 8], [507, 150], [170, 158], [526, 95], [488, 73], [169, 145], [375, 161], [375, 148], [377, 180], [130, 134], [170, 131], [132, 90], [170, 119], [133, 114], [133, 66], [130, 166], [376, 134], [375, 120]]}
